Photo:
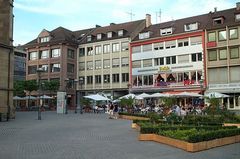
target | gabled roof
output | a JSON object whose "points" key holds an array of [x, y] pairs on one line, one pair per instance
{"points": [[204, 21], [128, 28]]}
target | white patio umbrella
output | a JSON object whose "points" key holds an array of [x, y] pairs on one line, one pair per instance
{"points": [[130, 95], [29, 97], [188, 94], [45, 97], [142, 96], [159, 95], [97, 97], [216, 95], [18, 98]]}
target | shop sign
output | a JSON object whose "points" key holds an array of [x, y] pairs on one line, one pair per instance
{"points": [[164, 69]]}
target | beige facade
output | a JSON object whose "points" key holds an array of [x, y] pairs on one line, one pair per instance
{"points": [[6, 58], [105, 67], [223, 63]]}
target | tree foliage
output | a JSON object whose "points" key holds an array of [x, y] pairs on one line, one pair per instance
{"points": [[18, 88]]}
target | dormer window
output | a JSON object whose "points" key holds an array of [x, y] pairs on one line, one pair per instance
{"points": [[109, 35], [89, 38], [191, 27], [166, 31], [144, 35], [237, 17], [44, 39], [217, 21], [99, 36], [120, 33]]}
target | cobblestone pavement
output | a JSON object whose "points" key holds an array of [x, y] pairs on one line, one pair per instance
{"points": [[87, 136]]}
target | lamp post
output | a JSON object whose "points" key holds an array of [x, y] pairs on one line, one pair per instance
{"points": [[76, 95], [66, 96], [81, 81], [39, 71]]}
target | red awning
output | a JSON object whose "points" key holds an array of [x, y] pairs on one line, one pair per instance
{"points": [[180, 91]]}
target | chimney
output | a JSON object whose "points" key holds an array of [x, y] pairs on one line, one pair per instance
{"points": [[148, 20], [215, 9], [238, 6]]}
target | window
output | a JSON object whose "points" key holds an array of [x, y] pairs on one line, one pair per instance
{"points": [[70, 53], [218, 21], [120, 33], [170, 44], [98, 64], [106, 48], [55, 53], [115, 47], [124, 46], [33, 55], [115, 78], [89, 65], [89, 51], [182, 42], [89, 38], [222, 54], [147, 47], [136, 64], [44, 54], [183, 59], [222, 35], [211, 36], [233, 33], [99, 36], [237, 17], [106, 78], [235, 74], [109, 35], [81, 66], [89, 79], [98, 50], [115, 62], [81, 52], [190, 27], [125, 61], [196, 57], [234, 53], [32, 69], [166, 31], [147, 63], [55, 67], [171, 60], [159, 61], [212, 55], [148, 80], [125, 77], [98, 79], [44, 67], [70, 68], [44, 39], [106, 63], [136, 49], [158, 46], [218, 75], [196, 40], [144, 35]]}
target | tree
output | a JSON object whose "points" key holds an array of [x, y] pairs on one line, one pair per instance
{"points": [[168, 103], [18, 88], [86, 102], [30, 86], [52, 86], [214, 106], [127, 102]]}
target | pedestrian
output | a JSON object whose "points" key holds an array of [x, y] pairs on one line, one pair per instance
{"points": [[111, 107], [115, 111]]}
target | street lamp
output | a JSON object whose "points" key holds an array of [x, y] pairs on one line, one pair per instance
{"points": [[39, 71], [66, 96], [81, 82], [76, 95]]}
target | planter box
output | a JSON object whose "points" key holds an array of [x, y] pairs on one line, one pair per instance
{"points": [[136, 126], [190, 147], [232, 124], [127, 117]]}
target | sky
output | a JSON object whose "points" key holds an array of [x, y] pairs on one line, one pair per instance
{"points": [[32, 16]]}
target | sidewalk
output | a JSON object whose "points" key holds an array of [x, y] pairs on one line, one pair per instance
{"points": [[87, 136]]}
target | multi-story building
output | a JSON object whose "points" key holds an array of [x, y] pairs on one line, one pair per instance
{"points": [[6, 58], [55, 52], [168, 57], [19, 64], [103, 61], [222, 55]]}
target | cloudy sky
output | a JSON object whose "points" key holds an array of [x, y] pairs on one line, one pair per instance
{"points": [[31, 16]]}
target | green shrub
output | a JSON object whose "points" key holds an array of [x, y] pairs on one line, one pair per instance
{"points": [[179, 134], [131, 114]]}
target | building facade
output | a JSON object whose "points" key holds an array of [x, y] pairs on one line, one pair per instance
{"points": [[19, 64], [55, 52], [103, 61], [222, 55], [6, 58]]}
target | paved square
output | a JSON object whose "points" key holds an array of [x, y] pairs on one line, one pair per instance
{"points": [[87, 136]]}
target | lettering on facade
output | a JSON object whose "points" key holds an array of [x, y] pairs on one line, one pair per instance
{"points": [[147, 70], [164, 69], [186, 66]]}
